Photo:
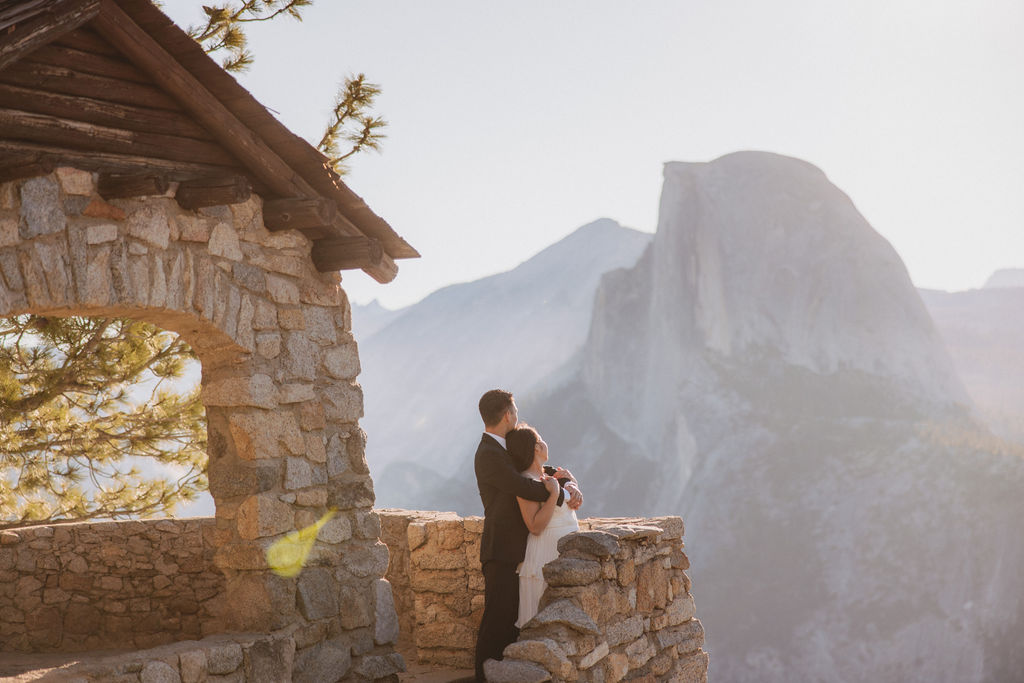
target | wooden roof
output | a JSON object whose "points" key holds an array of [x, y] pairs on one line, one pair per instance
{"points": [[115, 86]]}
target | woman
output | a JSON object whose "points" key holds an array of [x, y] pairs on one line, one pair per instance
{"points": [[546, 521]]}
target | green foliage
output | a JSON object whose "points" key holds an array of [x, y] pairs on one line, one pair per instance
{"points": [[83, 403], [352, 121], [224, 30]]}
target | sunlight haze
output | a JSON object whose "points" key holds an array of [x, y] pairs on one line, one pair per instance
{"points": [[511, 125]]}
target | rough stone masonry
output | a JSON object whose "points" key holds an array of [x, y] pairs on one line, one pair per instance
{"points": [[278, 382], [617, 608], [279, 368]]}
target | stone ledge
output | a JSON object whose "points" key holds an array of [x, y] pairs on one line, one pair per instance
{"points": [[617, 607]]}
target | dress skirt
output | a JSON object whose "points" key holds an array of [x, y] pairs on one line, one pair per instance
{"points": [[541, 549]]}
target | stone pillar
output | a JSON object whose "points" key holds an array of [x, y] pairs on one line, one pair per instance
{"points": [[279, 386]]}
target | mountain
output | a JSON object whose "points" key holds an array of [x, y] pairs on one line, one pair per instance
{"points": [[1008, 277], [368, 319], [424, 371], [768, 371], [984, 332]]}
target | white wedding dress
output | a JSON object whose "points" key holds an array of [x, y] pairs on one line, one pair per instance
{"points": [[541, 549]]}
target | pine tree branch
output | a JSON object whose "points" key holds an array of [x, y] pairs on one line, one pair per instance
{"points": [[223, 30], [352, 122], [76, 437], [63, 381]]}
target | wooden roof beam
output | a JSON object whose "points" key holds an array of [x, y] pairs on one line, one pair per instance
{"points": [[215, 191], [68, 132], [383, 271], [107, 162], [298, 213], [100, 112], [25, 28], [351, 253], [122, 186], [143, 51], [21, 166], [149, 56]]}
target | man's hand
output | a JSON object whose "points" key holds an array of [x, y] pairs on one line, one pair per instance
{"points": [[575, 495]]}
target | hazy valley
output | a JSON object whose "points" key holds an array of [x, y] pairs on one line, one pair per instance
{"points": [[763, 367]]}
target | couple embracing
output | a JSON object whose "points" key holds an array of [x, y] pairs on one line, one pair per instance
{"points": [[527, 507]]}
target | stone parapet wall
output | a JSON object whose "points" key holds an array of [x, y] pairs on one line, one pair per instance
{"points": [[279, 368], [437, 583], [227, 658], [76, 587], [144, 584], [618, 606]]}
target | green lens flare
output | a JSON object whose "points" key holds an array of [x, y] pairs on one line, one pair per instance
{"points": [[288, 555]]}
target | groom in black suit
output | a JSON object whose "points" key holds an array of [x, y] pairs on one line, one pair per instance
{"points": [[503, 544]]}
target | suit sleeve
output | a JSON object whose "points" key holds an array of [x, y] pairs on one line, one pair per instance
{"points": [[502, 476], [550, 470]]}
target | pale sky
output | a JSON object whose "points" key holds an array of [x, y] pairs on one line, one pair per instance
{"points": [[512, 124]]}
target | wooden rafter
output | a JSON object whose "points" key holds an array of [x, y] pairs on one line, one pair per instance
{"points": [[298, 213], [111, 114], [119, 186], [117, 27], [20, 166], [27, 26], [84, 38], [29, 74], [383, 271], [115, 163], [87, 62], [113, 86], [20, 125], [215, 191], [349, 253]]}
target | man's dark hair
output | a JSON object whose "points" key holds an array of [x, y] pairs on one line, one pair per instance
{"points": [[493, 406], [521, 444]]}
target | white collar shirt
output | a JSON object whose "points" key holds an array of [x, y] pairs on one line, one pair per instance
{"points": [[499, 439]]}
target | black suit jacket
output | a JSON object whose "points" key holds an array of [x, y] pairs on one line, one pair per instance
{"points": [[505, 532]]}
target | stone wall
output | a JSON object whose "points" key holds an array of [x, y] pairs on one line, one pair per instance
{"points": [[279, 365], [81, 587], [618, 608], [225, 658], [618, 605], [437, 583]]}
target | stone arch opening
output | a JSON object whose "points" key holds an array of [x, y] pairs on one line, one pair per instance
{"points": [[278, 383], [104, 420]]}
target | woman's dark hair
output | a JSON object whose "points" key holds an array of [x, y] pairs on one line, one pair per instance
{"points": [[521, 443]]}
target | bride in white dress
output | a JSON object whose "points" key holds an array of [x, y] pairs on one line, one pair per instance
{"points": [[546, 521]]}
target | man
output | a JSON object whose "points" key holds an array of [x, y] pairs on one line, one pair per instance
{"points": [[503, 544]]}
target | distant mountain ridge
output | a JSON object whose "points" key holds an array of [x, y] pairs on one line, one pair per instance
{"points": [[768, 371], [764, 368], [368, 319], [1005, 278], [759, 256], [983, 329], [425, 369]]}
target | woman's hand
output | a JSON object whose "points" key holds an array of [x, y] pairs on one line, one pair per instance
{"points": [[551, 484], [562, 473]]}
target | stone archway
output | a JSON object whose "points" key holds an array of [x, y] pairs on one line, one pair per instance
{"points": [[279, 367]]}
